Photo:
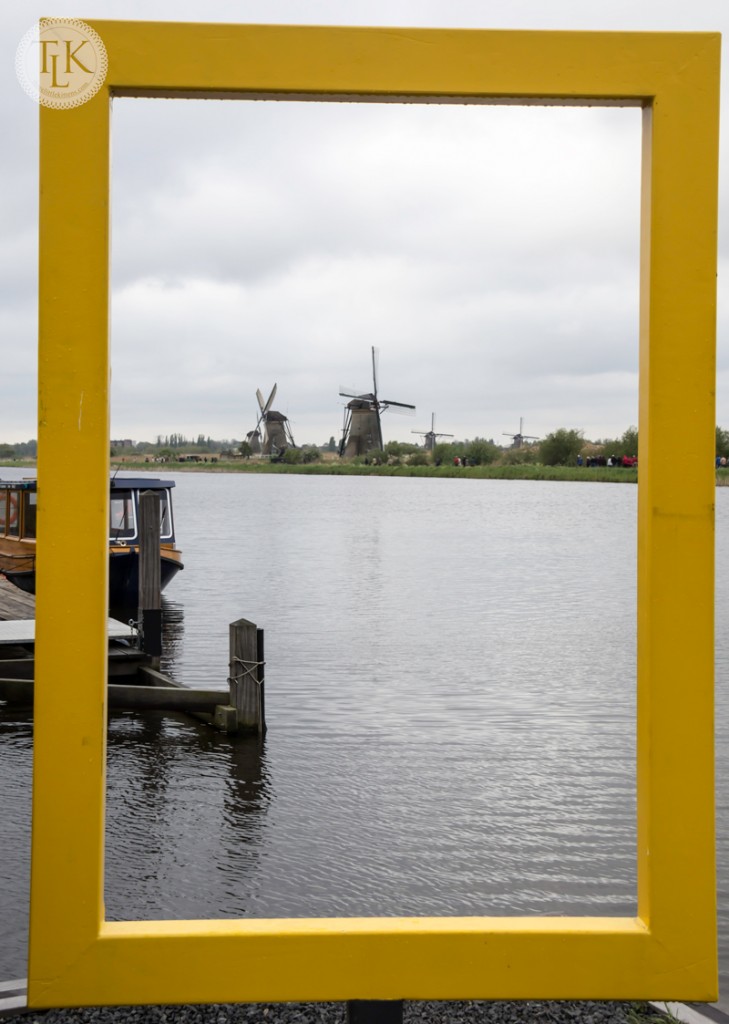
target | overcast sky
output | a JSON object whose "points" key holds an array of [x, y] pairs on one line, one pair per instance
{"points": [[490, 253]]}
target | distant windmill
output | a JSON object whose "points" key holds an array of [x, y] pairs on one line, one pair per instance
{"points": [[517, 440], [362, 430], [430, 435], [272, 434]]}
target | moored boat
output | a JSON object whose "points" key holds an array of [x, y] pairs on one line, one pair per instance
{"points": [[18, 503]]}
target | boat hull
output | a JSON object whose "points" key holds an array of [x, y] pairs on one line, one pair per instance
{"points": [[123, 577]]}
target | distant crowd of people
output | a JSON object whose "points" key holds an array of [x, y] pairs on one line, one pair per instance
{"points": [[610, 460]]}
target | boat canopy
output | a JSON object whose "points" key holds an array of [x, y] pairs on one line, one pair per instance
{"points": [[140, 483], [127, 483]]}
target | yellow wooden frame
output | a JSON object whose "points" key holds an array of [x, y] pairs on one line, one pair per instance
{"points": [[669, 949]]}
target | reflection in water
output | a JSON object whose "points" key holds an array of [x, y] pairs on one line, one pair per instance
{"points": [[186, 810], [173, 633], [248, 796], [16, 736]]}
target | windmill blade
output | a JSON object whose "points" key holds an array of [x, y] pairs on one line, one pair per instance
{"points": [[289, 433], [375, 361], [258, 423], [400, 405], [271, 397], [400, 409], [259, 396], [353, 393], [444, 435], [346, 426], [423, 433]]}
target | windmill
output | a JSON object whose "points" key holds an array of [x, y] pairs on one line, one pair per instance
{"points": [[518, 439], [430, 435], [362, 430], [272, 434]]}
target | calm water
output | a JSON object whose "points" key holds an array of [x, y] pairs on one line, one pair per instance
{"points": [[450, 698]]}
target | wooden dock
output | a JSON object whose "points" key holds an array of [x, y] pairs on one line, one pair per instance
{"points": [[134, 682]]}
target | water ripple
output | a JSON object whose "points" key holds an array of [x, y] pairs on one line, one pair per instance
{"points": [[451, 705]]}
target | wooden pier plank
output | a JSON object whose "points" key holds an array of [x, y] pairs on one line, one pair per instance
{"points": [[22, 631], [132, 697], [15, 603]]}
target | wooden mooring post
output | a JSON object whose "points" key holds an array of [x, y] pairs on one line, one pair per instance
{"points": [[246, 675], [150, 586]]}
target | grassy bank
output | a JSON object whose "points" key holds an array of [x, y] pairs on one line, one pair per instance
{"points": [[602, 474], [336, 468]]}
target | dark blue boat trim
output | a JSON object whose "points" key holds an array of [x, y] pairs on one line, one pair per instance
{"points": [[123, 577]]}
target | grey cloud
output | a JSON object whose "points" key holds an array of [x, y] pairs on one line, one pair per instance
{"points": [[492, 254]]}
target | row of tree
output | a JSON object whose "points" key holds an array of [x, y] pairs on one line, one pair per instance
{"points": [[563, 446], [559, 448], [19, 450]]}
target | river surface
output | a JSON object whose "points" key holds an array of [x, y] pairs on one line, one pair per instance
{"points": [[450, 697]]}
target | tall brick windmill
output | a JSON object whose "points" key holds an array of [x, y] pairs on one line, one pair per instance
{"points": [[362, 430]]}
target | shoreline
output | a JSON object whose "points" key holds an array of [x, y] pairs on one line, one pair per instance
{"points": [[598, 474], [525, 472]]}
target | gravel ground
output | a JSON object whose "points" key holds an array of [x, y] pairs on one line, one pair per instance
{"points": [[336, 1013]]}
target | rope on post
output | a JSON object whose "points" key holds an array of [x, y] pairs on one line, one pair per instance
{"points": [[250, 670]]}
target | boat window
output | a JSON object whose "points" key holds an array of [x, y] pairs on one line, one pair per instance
{"points": [[13, 519], [165, 515], [121, 516], [30, 499], [3, 511]]}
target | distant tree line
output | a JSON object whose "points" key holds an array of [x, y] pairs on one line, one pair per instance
{"points": [[19, 450], [181, 441], [563, 447], [560, 448], [168, 445], [722, 443]]}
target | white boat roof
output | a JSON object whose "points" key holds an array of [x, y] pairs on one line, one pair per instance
{"points": [[22, 631]]}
